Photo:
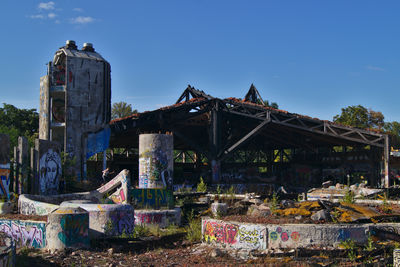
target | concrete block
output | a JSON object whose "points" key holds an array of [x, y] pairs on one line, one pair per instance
{"points": [[25, 233], [149, 198], [162, 218], [6, 207], [107, 219], [219, 209], [7, 251], [68, 228], [233, 234]]}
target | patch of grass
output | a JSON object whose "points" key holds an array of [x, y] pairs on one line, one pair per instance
{"points": [[351, 248], [193, 230]]}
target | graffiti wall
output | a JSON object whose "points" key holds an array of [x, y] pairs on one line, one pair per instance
{"points": [[49, 167], [232, 234], [30, 207], [290, 236], [150, 217], [75, 229], [4, 166], [152, 198], [156, 161], [123, 223], [25, 233]]}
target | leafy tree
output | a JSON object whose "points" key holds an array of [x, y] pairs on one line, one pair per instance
{"points": [[360, 117], [121, 109], [393, 128], [272, 104], [19, 122]]}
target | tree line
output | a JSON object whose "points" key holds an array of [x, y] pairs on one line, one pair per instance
{"points": [[25, 122]]}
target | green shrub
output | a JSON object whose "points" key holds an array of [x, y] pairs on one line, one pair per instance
{"points": [[193, 230], [201, 186]]}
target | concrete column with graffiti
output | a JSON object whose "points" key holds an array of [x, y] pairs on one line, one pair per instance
{"points": [[156, 160], [68, 227], [49, 166], [23, 163], [4, 166]]}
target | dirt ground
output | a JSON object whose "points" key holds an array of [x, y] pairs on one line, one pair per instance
{"points": [[167, 252]]}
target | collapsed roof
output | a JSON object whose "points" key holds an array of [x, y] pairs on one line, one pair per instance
{"points": [[216, 127]]}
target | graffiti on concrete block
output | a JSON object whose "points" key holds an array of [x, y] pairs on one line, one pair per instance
{"points": [[50, 172], [236, 235], [152, 198], [149, 217], [283, 235], [123, 223], [5, 183], [355, 234], [31, 234], [75, 229]]}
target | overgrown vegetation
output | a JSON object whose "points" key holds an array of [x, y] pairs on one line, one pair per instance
{"points": [[201, 186], [351, 248], [193, 230], [348, 197], [274, 204]]}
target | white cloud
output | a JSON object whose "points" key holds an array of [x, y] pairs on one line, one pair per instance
{"points": [[77, 9], [46, 6], [51, 15], [36, 16], [374, 68], [81, 20]]}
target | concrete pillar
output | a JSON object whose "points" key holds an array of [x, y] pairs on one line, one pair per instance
{"points": [[4, 166], [23, 161], [156, 161], [67, 227]]}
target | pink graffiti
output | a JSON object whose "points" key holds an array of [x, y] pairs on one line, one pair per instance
{"points": [[221, 232], [149, 217], [22, 235]]}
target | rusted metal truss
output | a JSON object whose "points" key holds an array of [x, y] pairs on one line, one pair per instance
{"points": [[217, 127]]}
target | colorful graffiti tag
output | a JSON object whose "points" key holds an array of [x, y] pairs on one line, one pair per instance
{"points": [[123, 223], [152, 198], [74, 230], [5, 182], [283, 235], [149, 218], [236, 235], [31, 234]]}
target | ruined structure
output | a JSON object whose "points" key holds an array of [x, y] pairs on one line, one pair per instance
{"points": [[243, 141], [75, 99]]}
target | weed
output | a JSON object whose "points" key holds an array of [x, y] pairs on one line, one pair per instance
{"points": [[141, 231], [274, 203], [219, 190], [193, 230], [386, 207], [370, 246], [348, 197], [335, 216], [351, 248], [201, 186]]}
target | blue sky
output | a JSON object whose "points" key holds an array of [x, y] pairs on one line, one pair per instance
{"points": [[311, 57]]}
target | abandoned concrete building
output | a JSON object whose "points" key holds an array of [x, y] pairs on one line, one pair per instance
{"points": [[75, 99], [223, 140], [240, 141]]}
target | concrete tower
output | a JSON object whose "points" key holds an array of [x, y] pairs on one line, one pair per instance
{"points": [[75, 100]]}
